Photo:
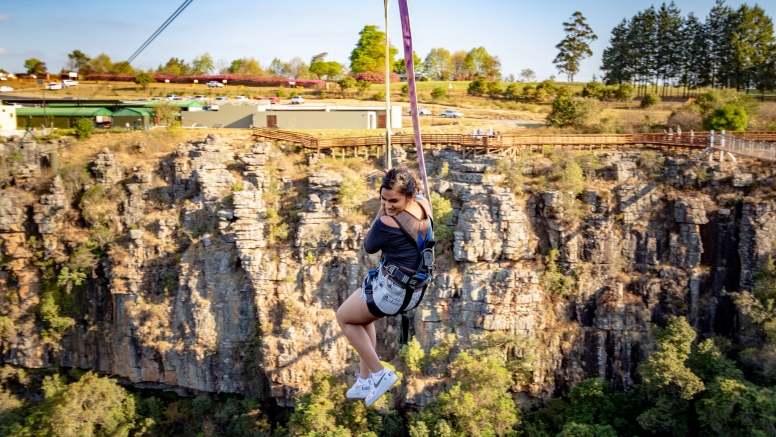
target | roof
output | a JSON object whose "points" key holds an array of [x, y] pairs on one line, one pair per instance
{"points": [[176, 103], [134, 112], [61, 112]]}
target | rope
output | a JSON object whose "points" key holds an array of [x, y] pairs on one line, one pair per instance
{"points": [[410, 66], [153, 36]]}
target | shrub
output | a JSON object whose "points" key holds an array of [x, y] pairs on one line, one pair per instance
{"points": [[571, 178], [438, 93], [413, 355], [294, 94], [405, 89], [351, 189], [730, 117], [573, 112], [513, 92], [686, 118], [380, 95], [492, 88], [553, 280], [280, 93], [651, 163], [277, 230], [477, 87], [376, 77], [324, 94], [650, 99], [625, 92], [512, 171], [363, 86], [443, 213], [83, 128]]}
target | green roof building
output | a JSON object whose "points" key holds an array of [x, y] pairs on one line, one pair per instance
{"points": [[63, 118], [142, 116]]}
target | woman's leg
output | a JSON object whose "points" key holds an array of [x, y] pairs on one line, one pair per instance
{"points": [[353, 317], [370, 330]]}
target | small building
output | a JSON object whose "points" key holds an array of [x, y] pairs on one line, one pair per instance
{"points": [[7, 117], [63, 117], [142, 116], [295, 117], [403, 76]]}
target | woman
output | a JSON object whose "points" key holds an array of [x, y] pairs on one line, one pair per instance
{"points": [[401, 230]]}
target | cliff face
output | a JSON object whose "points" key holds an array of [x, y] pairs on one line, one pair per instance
{"points": [[197, 293]]}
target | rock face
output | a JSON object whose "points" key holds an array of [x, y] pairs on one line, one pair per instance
{"points": [[197, 291]]}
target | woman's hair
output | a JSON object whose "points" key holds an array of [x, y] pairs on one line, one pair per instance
{"points": [[402, 180]]}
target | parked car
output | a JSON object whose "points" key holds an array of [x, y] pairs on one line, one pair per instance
{"points": [[241, 98], [67, 98], [68, 82], [153, 99], [53, 86], [82, 98], [273, 100], [297, 100], [5, 89], [200, 97], [214, 84], [171, 97], [222, 99], [451, 113], [421, 111]]}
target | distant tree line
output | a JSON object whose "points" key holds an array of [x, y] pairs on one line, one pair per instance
{"points": [[731, 48]]}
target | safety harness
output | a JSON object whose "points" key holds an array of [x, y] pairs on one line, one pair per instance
{"points": [[422, 277]]}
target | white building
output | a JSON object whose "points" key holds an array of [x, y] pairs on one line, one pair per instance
{"points": [[7, 117]]}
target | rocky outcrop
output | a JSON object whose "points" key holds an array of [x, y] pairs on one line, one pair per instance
{"points": [[198, 293]]}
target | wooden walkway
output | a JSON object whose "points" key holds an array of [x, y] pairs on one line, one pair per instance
{"points": [[508, 145]]}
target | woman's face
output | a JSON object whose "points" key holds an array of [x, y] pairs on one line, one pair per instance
{"points": [[393, 201]]}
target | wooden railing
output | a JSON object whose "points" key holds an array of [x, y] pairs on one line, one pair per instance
{"points": [[698, 140]]}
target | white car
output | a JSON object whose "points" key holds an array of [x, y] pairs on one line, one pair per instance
{"points": [[214, 84], [241, 98], [221, 99], [53, 86], [5, 89], [68, 82], [297, 100], [421, 111], [451, 113]]}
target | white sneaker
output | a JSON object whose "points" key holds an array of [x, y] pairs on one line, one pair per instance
{"points": [[379, 387], [359, 389]]}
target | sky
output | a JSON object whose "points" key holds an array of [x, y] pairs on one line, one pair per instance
{"points": [[523, 34]]}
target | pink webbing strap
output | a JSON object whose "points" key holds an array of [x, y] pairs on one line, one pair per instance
{"points": [[410, 65]]}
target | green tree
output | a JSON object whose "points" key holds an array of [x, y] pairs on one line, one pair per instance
{"points": [[459, 65], [83, 128], [492, 88], [202, 65], [275, 68], [250, 67], [616, 57], [479, 63], [413, 354], [478, 404], [730, 117], [35, 66], [236, 66], [575, 46], [400, 67], [320, 67], [438, 64], [737, 408], [369, 54], [143, 79], [77, 61], [176, 67], [669, 382]]}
